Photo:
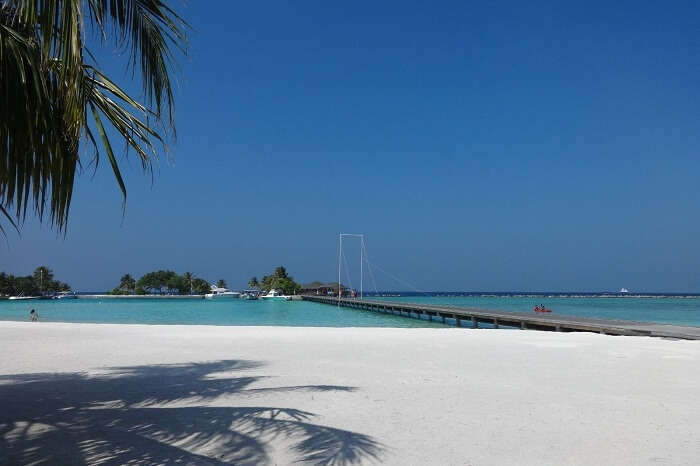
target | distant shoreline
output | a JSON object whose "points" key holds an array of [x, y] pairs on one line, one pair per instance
{"points": [[398, 294], [139, 296]]}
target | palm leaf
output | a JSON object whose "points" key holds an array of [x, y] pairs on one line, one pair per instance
{"points": [[9, 218], [108, 148], [46, 88], [147, 28]]}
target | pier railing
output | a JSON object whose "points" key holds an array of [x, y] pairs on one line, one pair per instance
{"points": [[463, 316]]}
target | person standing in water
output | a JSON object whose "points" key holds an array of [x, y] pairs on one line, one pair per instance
{"points": [[34, 316]]}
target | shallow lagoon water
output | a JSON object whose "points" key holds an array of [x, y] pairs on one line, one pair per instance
{"points": [[202, 312], [670, 310], [667, 310]]}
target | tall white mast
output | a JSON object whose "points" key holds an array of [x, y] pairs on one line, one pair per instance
{"points": [[362, 251], [362, 257]]}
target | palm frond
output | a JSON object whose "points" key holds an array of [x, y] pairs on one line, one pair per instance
{"points": [[47, 91], [108, 148], [9, 218], [38, 149], [148, 29]]}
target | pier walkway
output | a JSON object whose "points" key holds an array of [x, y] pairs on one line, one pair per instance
{"points": [[463, 316]]}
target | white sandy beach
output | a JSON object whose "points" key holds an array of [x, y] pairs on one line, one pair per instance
{"points": [[139, 394]]}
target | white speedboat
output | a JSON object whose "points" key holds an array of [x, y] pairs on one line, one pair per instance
{"points": [[276, 295], [250, 294], [22, 297], [222, 293], [66, 295], [624, 290]]}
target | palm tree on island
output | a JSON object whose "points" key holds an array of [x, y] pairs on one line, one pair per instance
{"points": [[160, 281], [280, 280], [42, 275], [221, 283], [188, 277], [253, 283], [54, 98], [127, 283]]}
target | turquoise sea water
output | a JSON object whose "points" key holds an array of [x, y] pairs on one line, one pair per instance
{"points": [[672, 310], [668, 310], [201, 312]]}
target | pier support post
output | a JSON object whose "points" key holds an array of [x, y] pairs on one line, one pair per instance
{"points": [[495, 323], [523, 326], [475, 323], [458, 322], [443, 319]]}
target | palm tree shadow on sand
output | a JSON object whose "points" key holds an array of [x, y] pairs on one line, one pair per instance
{"points": [[130, 415]]}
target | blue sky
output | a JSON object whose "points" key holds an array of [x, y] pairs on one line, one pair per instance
{"points": [[499, 146]]}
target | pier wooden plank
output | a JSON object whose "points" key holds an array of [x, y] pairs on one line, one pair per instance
{"points": [[551, 322]]}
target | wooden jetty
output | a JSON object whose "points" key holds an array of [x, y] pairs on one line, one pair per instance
{"points": [[463, 316]]}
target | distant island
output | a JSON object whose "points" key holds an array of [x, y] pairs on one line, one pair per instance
{"points": [[279, 280], [162, 282], [168, 282], [39, 283]]}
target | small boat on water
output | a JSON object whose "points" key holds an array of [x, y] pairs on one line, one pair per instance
{"points": [[66, 295], [250, 294], [222, 293], [276, 295], [624, 290], [22, 297]]}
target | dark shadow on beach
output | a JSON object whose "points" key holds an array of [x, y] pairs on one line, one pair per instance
{"points": [[135, 415]]}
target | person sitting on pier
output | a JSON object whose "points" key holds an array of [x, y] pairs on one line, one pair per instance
{"points": [[537, 309]]}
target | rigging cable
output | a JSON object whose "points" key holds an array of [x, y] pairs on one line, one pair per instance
{"points": [[397, 279], [347, 272], [369, 268]]}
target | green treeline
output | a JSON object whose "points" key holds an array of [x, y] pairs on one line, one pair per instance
{"points": [[157, 282], [162, 282], [169, 282], [39, 283], [279, 280]]}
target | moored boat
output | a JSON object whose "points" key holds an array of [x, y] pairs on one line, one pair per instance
{"points": [[21, 296], [276, 295], [218, 292], [250, 294]]}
